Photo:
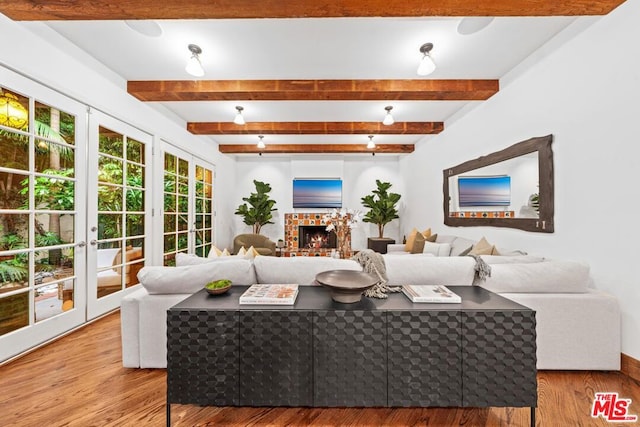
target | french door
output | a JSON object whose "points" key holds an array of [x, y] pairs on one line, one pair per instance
{"points": [[42, 222], [188, 215], [118, 221]]}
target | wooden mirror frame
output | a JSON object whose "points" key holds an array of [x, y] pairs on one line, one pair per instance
{"points": [[544, 222]]}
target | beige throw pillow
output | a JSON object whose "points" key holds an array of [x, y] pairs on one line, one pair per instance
{"points": [[418, 244], [214, 252], [483, 247], [408, 246]]}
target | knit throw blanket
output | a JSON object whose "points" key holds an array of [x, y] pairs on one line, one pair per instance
{"points": [[373, 263], [483, 270]]}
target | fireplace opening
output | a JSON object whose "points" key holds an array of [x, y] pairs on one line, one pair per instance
{"points": [[316, 237]]}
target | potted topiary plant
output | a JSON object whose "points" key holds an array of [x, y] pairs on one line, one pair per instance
{"points": [[382, 210], [261, 206]]}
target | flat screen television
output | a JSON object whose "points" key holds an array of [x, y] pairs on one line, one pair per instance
{"points": [[484, 190], [317, 193]]}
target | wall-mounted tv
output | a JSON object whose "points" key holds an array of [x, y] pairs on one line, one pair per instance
{"points": [[317, 193], [484, 190]]}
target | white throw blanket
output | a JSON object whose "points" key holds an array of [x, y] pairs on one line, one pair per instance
{"points": [[373, 263]]}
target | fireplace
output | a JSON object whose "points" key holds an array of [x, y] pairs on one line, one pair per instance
{"points": [[305, 234], [316, 237]]}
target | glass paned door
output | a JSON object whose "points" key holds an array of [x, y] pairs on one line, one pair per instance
{"points": [[187, 205], [42, 191], [203, 224], [117, 216]]}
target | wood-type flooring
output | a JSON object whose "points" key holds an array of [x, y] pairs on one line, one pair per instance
{"points": [[79, 380]]}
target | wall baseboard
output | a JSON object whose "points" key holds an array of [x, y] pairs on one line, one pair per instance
{"points": [[630, 366]]}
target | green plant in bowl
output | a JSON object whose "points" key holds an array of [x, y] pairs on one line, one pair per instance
{"points": [[218, 286]]}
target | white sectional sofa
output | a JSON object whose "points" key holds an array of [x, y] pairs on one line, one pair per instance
{"points": [[578, 327]]}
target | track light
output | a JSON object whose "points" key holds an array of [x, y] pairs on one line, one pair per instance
{"points": [[239, 119], [388, 118], [371, 144], [194, 66], [427, 66], [260, 142]]}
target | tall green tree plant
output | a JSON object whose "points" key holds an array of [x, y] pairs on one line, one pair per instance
{"points": [[258, 211], [382, 206]]}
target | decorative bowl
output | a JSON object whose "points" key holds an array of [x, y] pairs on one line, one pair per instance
{"points": [[346, 286], [218, 290]]}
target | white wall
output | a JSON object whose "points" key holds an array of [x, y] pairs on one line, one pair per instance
{"points": [[42, 55], [359, 174], [586, 94]]}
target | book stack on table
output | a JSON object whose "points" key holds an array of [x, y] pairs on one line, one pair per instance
{"points": [[270, 294], [431, 293]]}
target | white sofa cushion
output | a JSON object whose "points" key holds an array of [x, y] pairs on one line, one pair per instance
{"points": [[539, 277], [458, 244], [429, 270], [437, 249], [511, 259], [191, 259], [301, 269], [191, 278]]}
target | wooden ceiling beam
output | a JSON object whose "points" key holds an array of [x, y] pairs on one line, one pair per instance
{"points": [[315, 128], [316, 149], [30, 10], [313, 90]]}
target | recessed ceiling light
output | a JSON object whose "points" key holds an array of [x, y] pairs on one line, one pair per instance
{"points": [[145, 27]]}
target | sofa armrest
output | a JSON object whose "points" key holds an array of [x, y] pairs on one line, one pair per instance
{"points": [[130, 328]]}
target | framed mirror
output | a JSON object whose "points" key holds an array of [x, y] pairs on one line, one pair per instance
{"points": [[509, 188]]}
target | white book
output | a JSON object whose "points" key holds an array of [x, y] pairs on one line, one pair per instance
{"points": [[270, 294], [431, 293]]}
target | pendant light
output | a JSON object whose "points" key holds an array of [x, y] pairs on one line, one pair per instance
{"points": [[371, 145], [194, 66], [388, 118], [260, 142], [427, 66], [239, 119]]}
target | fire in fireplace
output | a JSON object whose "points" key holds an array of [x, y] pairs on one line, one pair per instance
{"points": [[316, 237]]}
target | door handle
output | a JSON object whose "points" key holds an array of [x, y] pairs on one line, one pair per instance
{"points": [[81, 244], [93, 242]]}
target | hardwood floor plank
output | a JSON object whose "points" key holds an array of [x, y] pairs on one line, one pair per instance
{"points": [[79, 381]]}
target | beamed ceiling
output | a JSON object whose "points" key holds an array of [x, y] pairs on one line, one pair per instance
{"points": [[317, 84]]}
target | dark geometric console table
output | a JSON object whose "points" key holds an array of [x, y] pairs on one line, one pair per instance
{"points": [[391, 352]]}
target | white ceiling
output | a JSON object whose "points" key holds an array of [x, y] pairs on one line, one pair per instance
{"points": [[340, 48]]}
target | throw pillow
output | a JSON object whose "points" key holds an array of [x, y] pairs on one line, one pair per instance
{"points": [[225, 252], [418, 244], [432, 238], [408, 246], [483, 247], [183, 259], [427, 233], [252, 253], [437, 249], [466, 251], [241, 252], [214, 252]]}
